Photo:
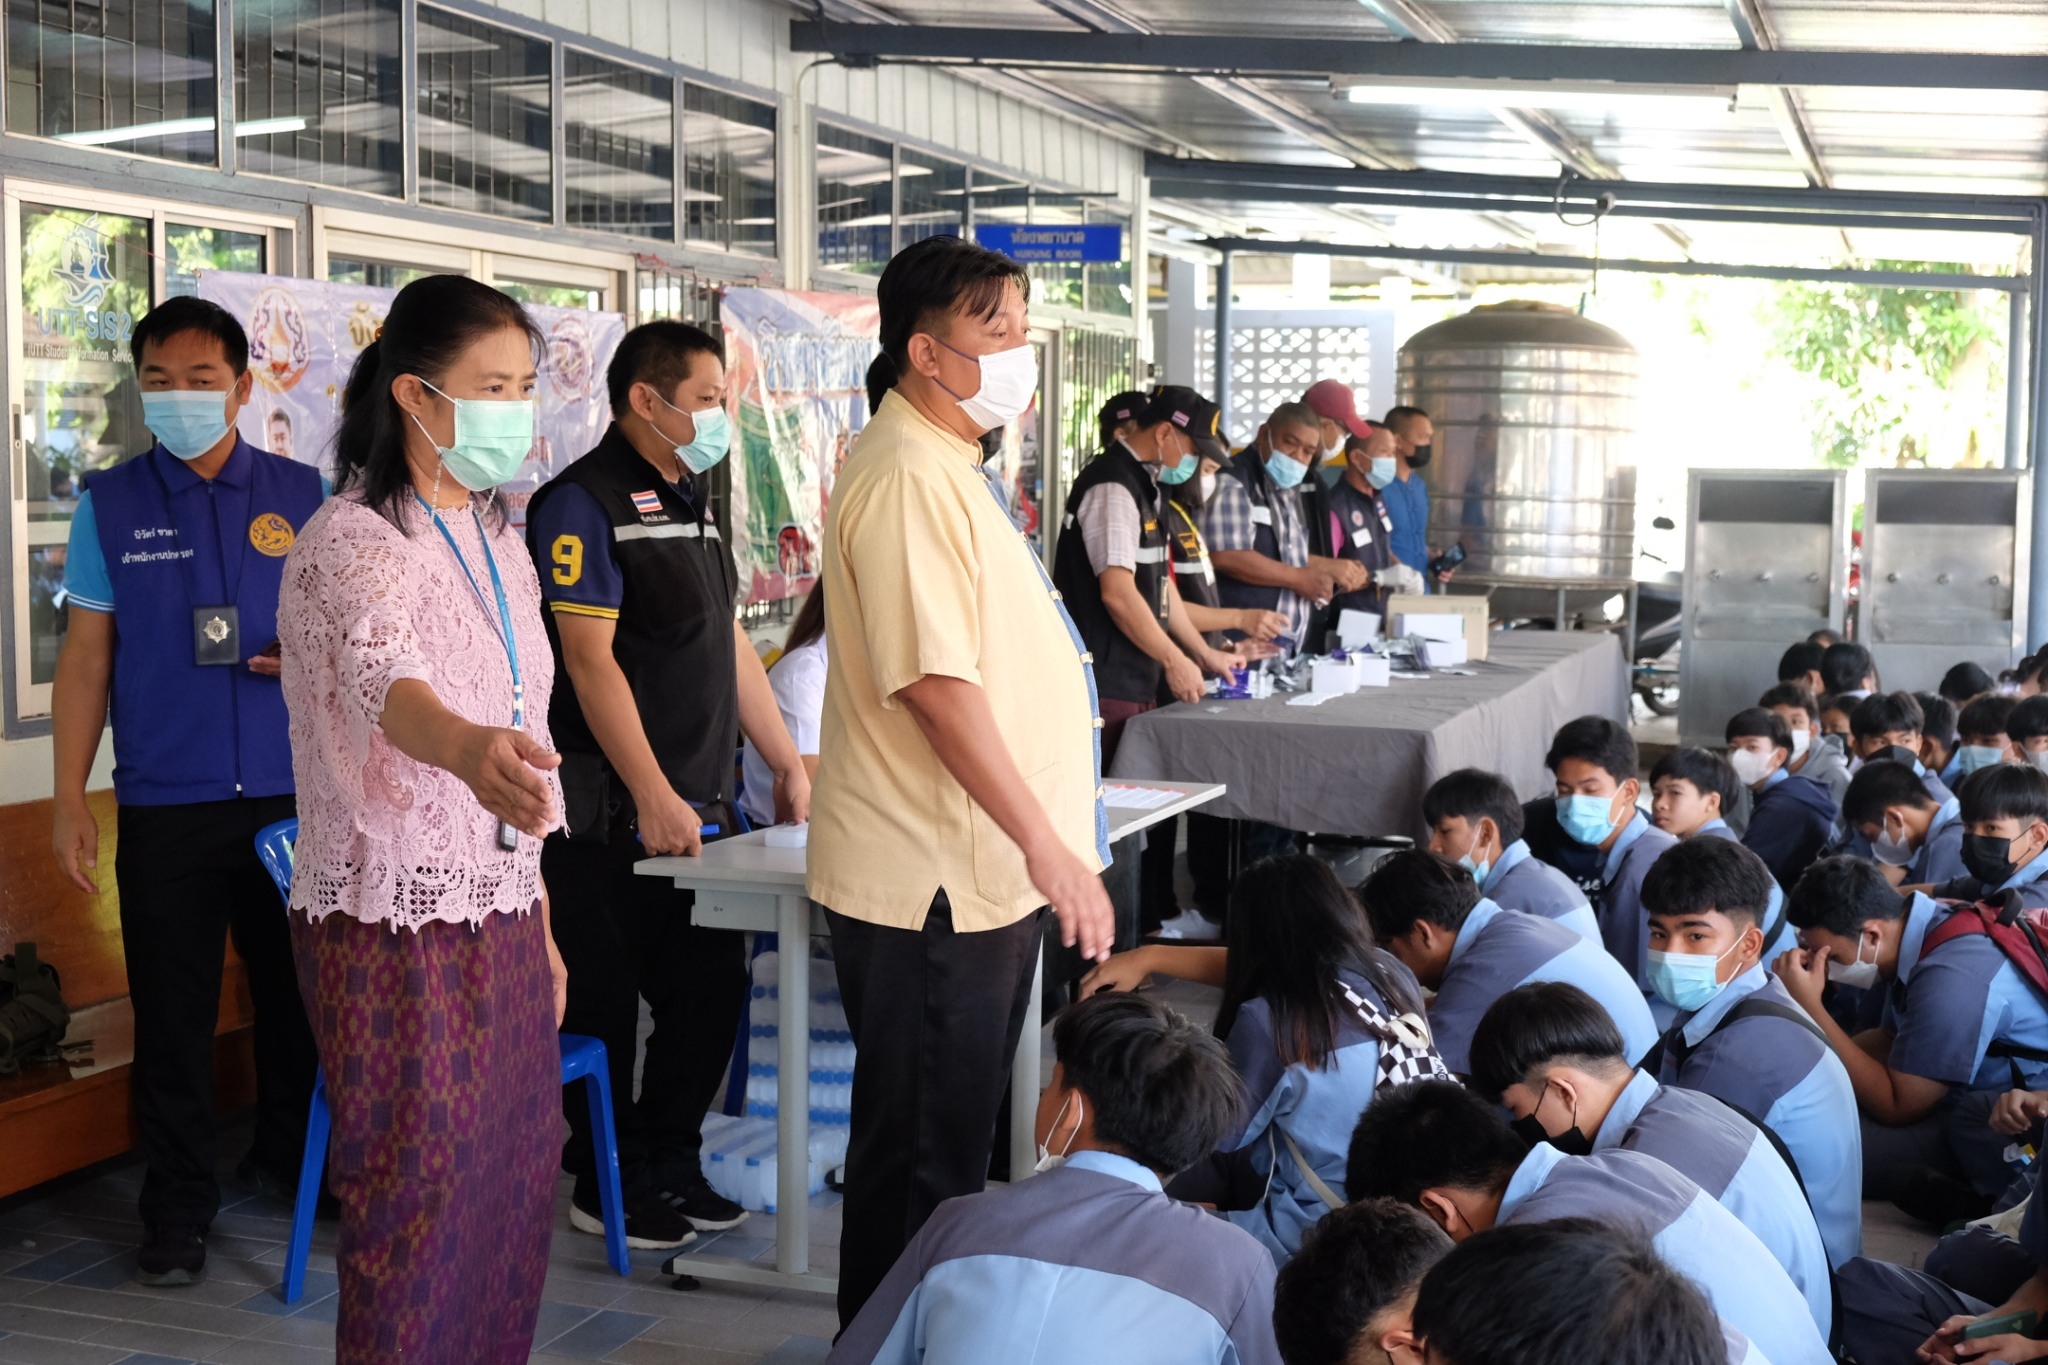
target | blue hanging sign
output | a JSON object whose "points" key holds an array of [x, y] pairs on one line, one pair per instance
{"points": [[1064, 245]]}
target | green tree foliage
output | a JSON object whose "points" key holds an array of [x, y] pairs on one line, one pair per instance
{"points": [[1899, 363]]}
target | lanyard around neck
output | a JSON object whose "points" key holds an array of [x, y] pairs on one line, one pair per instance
{"points": [[501, 623]]}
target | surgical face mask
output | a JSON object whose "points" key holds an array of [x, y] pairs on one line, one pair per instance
{"points": [[492, 439], [1572, 1142], [1802, 740], [1047, 1158], [1382, 472], [714, 437], [1858, 975], [1478, 870], [1205, 487], [1008, 379], [189, 422], [1587, 819], [1971, 757], [1172, 471], [1420, 457], [1687, 980], [1284, 470], [1989, 858], [1889, 851], [2039, 758], [1750, 766]]}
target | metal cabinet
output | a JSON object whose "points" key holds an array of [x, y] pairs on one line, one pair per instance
{"points": [[1944, 571], [1766, 565]]}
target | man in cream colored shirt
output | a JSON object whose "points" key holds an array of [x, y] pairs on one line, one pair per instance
{"points": [[959, 765]]}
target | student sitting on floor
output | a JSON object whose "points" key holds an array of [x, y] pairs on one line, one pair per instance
{"points": [[1450, 1153], [1846, 671], [1346, 1297], [2004, 810], [1475, 820], [1690, 793], [1799, 666], [1312, 1014], [1471, 952], [1917, 840], [1938, 743], [1965, 682], [1566, 1292], [1812, 757], [1594, 762], [1926, 1081], [1550, 1056], [1089, 1261], [1739, 1037], [1834, 719], [1793, 816], [1893, 720], [2027, 728], [1981, 729]]}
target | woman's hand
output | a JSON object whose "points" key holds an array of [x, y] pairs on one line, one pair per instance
{"points": [[503, 768], [793, 795], [558, 970]]}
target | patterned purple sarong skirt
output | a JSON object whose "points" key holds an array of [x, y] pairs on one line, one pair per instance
{"points": [[445, 1081]]}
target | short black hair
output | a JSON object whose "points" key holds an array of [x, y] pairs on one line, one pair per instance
{"points": [[1429, 1135], [1121, 408], [1694, 876], [1835, 701], [1398, 418], [940, 275], [2029, 720], [1986, 716], [1798, 661], [1706, 770], [1825, 637], [1938, 718], [2004, 791], [2031, 666], [1564, 1292], [1412, 885], [1880, 784], [1540, 1024], [1475, 793], [1795, 695], [658, 354], [881, 378], [1841, 895], [1354, 1264], [1964, 681], [1160, 1087], [188, 313], [1604, 743], [1844, 667], [1881, 713], [1758, 723]]}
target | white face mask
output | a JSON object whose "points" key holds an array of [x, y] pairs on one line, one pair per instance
{"points": [[2039, 758], [1802, 740], [1205, 489], [1750, 766], [1890, 852], [1008, 379], [1047, 1158], [1858, 975]]}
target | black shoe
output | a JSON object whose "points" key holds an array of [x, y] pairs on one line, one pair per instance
{"points": [[276, 1182], [651, 1225], [1937, 1199], [703, 1207], [172, 1253]]}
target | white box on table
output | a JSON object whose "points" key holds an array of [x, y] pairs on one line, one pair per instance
{"points": [[1444, 653], [1474, 607], [1334, 676], [1374, 670], [1431, 625]]}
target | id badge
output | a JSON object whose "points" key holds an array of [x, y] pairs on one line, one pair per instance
{"points": [[216, 636], [508, 837]]}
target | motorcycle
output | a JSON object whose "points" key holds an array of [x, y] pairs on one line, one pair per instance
{"points": [[1653, 654]]}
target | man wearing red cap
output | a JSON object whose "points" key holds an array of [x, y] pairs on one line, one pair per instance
{"points": [[1337, 409]]}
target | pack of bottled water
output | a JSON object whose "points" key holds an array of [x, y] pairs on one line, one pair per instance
{"points": [[740, 1157]]}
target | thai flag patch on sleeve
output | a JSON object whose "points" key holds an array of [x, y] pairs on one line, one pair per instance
{"points": [[646, 504]]}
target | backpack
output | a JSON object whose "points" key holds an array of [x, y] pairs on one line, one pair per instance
{"points": [[2019, 930], [33, 1015]]}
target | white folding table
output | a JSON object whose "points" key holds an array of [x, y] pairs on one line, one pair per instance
{"points": [[741, 883]]}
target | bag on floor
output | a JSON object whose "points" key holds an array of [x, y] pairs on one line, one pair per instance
{"points": [[33, 1015]]}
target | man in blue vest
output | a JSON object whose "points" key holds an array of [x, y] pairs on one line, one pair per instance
{"points": [[173, 571]]}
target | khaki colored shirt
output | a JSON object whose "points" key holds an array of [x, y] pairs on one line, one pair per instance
{"points": [[924, 574]]}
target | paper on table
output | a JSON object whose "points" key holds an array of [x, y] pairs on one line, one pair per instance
{"points": [[1314, 698], [1137, 798]]}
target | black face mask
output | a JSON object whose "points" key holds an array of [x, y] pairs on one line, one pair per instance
{"points": [[1420, 457], [1572, 1142], [1988, 857]]}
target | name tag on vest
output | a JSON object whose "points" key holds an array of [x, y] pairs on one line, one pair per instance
{"points": [[1362, 537], [1262, 516]]}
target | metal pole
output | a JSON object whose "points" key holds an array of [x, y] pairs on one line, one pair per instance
{"points": [[2016, 371], [1222, 394], [2037, 437]]}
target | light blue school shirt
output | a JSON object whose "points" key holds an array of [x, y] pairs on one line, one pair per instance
{"points": [[1518, 880], [1793, 1081], [1946, 1008], [1724, 1154], [1497, 950], [1700, 1239], [1624, 926]]}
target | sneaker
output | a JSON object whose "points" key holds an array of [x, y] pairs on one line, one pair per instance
{"points": [[172, 1253], [1191, 924], [651, 1225], [704, 1208], [1936, 1199]]}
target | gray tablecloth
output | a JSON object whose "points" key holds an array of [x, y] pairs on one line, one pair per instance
{"points": [[1359, 764]]}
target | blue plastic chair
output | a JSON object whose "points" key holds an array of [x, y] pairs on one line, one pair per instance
{"points": [[583, 1059]]}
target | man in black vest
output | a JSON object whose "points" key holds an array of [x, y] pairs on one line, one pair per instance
{"points": [[662, 680], [1111, 565], [1361, 529]]}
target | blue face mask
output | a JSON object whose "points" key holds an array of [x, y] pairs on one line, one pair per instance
{"points": [[1971, 757], [714, 437], [1382, 472], [189, 422], [1685, 981], [1587, 819], [1284, 470], [1478, 870], [1180, 470]]}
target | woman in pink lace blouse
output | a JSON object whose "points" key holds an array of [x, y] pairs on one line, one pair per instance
{"points": [[418, 674]]}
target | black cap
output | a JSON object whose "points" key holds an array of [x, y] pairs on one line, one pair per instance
{"points": [[1120, 409], [1192, 413]]}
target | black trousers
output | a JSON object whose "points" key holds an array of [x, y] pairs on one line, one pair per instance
{"points": [[625, 938], [189, 877], [935, 1016]]}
